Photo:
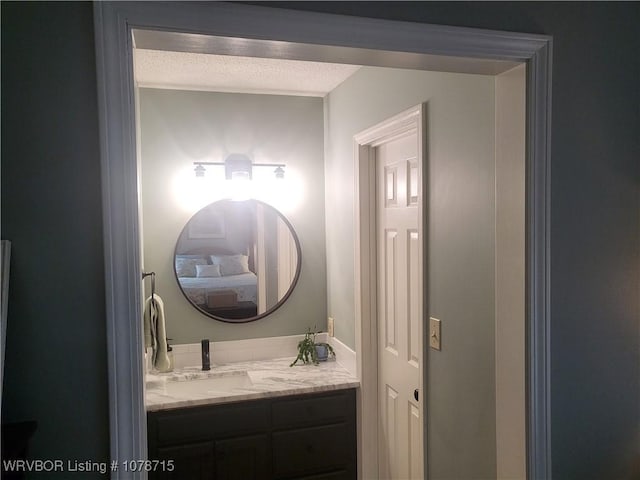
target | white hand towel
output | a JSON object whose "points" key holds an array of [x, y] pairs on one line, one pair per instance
{"points": [[148, 335], [157, 334]]}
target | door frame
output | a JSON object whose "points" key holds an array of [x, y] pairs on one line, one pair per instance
{"points": [[277, 33], [366, 280]]}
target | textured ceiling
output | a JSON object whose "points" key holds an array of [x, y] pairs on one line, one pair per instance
{"points": [[223, 73]]}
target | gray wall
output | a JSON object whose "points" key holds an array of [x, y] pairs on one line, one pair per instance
{"points": [[55, 369], [460, 152], [180, 127], [49, 118]]}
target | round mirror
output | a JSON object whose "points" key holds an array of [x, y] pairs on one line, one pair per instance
{"points": [[237, 261]]}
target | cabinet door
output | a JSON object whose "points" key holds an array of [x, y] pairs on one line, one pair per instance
{"points": [[309, 450], [244, 458], [192, 461]]}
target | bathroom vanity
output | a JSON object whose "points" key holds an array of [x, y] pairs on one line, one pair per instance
{"points": [[285, 423]]}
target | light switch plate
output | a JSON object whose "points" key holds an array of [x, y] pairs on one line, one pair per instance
{"points": [[435, 338], [330, 326]]}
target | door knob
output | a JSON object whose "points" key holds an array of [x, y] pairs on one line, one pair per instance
{"points": [[415, 394]]}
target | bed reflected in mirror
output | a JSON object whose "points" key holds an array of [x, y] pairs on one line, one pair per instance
{"points": [[237, 261]]}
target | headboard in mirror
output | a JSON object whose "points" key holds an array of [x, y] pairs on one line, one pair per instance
{"points": [[237, 261]]}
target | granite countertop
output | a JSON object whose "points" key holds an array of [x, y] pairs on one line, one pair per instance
{"points": [[268, 378]]}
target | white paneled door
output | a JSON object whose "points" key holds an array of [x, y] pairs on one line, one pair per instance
{"points": [[400, 305]]}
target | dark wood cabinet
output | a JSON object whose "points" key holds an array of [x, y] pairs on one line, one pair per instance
{"points": [[311, 437], [194, 460], [242, 458]]}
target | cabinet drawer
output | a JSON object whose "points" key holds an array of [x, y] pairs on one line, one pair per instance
{"points": [[311, 450], [300, 412], [192, 424], [193, 461]]}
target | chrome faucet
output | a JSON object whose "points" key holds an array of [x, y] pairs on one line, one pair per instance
{"points": [[206, 359]]}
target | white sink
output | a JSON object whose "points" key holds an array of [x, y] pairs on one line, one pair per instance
{"points": [[211, 384]]}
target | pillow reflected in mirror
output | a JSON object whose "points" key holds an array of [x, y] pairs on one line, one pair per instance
{"points": [[208, 271], [186, 265], [231, 264]]}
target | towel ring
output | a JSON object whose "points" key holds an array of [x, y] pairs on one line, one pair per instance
{"points": [[153, 282]]}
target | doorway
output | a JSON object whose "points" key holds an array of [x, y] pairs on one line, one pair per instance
{"points": [[264, 31]]}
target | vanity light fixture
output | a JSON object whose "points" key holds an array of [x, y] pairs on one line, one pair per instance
{"points": [[239, 167]]}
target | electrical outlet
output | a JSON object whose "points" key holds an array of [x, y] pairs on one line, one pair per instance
{"points": [[330, 326]]}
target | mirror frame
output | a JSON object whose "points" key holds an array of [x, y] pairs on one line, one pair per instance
{"points": [[280, 302]]}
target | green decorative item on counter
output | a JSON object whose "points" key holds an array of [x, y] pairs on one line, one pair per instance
{"points": [[308, 351]]}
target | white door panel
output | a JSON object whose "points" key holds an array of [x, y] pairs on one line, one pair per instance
{"points": [[399, 295]]}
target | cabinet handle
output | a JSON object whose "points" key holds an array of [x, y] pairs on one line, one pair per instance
{"points": [[416, 394]]}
